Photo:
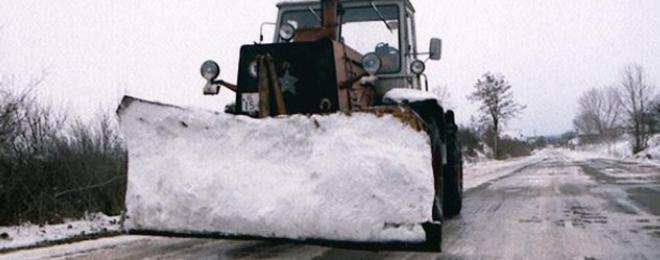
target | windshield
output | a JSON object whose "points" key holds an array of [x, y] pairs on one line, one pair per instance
{"points": [[302, 19], [365, 29]]}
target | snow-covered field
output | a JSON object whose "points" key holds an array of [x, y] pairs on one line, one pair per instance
{"points": [[27, 235], [621, 149]]}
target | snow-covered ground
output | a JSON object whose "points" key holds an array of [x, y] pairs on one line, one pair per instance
{"points": [[652, 152], [483, 154], [621, 149], [245, 180], [28, 235], [475, 174]]}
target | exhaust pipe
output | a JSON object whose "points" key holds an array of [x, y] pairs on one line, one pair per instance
{"points": [[330, 17]]}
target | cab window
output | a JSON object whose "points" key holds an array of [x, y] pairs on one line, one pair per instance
{"points": [[365, 29], [368, 29]]}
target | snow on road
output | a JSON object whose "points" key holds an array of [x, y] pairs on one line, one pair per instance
{"points": [[30, 235], [65, 250], [555, 204], [475, 174], [27, 235]]}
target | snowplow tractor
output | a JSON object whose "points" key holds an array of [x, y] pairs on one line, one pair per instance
{"points": [[332, 139]]}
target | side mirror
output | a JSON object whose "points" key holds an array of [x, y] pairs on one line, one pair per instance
{"points": [[435, 49]]}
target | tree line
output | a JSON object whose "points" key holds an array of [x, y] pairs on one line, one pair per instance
{"points": [[52, 166], [630, 106]]}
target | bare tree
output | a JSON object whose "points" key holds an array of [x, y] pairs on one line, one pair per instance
{"points": [[600, 113], [53, 166], [12, 112], [494, 94], [637, 94]]}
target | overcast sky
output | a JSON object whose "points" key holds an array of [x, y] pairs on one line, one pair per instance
{"points": [[550, 51]]}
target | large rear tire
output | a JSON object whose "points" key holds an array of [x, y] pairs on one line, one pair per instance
{"points": [[434, 230], [453, 170], [453, 199], [432, 114]]}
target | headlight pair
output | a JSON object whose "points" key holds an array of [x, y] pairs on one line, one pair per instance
{"points": [[372, 64]]}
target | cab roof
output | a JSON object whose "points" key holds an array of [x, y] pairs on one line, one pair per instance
{"points": [[294, 3]]}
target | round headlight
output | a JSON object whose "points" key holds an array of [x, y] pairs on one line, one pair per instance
{"points": [[287, 31], [417, 67], [371, 63], [210, 70]]}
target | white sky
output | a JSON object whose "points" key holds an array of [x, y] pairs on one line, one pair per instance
{"points": [[551, 51]]}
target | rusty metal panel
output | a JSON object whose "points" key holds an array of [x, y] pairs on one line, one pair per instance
{"points": [[312, 34], [352, 96]]}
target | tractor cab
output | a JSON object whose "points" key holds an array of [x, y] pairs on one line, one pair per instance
{"points": [[383, 31], [328, 56]]}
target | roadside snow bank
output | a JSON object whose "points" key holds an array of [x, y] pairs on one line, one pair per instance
{"points": [[336, 177], [618, 149], [652, 153], [622, 149], [404, 95], [27, 235], [475, 174]]}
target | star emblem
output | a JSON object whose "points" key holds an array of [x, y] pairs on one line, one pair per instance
{"points": [[287, 81]]}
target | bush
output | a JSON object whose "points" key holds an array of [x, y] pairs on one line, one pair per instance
{"points": [[469, 140], [53, 168], [540, 142], [477, 138], [513, 148]]}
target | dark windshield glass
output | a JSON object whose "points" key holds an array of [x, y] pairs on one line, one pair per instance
{"points": [[366, 29], [309, 18]]}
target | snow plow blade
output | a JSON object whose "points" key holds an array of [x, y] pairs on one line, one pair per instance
{"points": [[358, 180]]}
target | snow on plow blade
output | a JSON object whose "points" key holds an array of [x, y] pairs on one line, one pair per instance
{"points": [[341, 178]]}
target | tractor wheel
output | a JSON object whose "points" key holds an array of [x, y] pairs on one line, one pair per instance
{"points": [[434, 229], [453, 191], [431, 113]]}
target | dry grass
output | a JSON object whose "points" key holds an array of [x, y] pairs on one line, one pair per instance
{"points": [[53, 167]]}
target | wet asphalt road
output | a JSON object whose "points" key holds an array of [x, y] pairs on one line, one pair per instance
{"points": [[553, 208]]}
